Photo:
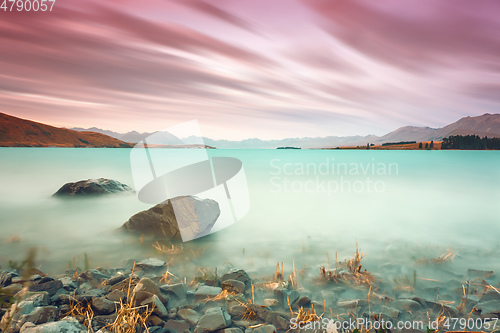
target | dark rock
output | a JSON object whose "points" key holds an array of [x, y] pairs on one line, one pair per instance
{"points": [[17, 279], [284, 296], [204, 292], [196, 218], [116, 296], [319, 307], [492, 307], [154, 303], [406, 305], [439, 308], [177, 289], [98, 292], [271, 302], [176, 326], [68, 283], [213, 320], [230, 330], [155, 321], [103, 320], [280, 322], [190, 316], [490, 295], [304, 301], [389, 312], [43, 279], [13, 288], [92, 187], [93, 274], [351, 304], [244, 324], [68, 299], [32, 309], [262, 313], [144, 289], [40, 315], [50, 287], [68, 325], [479, 274], [151, 263], [37, 277], [234, 286], [237, 310], [10, 318], [237, 274], [103, 306], [39, 299], [5, 279], [115, 279], [55, 298], [157, 329]]}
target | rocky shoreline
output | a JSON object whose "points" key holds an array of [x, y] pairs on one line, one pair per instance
{"points": [[145, 296]]}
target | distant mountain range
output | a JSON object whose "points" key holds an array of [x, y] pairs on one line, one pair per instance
{"points": [[134, 136], [17, 132], [484, 125]]}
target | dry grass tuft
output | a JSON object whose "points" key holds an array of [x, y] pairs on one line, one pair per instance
{"points": [[249, 314], [83, 313], [278, 273], [124, 285], [130, 319], [223, 295], [448, 256], [307, 315], [168, 277], [168, 250], [292, 279], [198, 253], [348, 271]]}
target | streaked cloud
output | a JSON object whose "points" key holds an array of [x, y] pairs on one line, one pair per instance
{"points": [[252, 69]]}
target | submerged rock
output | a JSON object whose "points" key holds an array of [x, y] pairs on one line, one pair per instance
{"points": [[265, 329], [479, 274], [92, 187], [192, 218]]}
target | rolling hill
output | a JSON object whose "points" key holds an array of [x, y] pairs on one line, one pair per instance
{"points": [[17, 132]]}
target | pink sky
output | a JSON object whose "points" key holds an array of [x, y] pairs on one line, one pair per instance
{"points": [[252, 68]]}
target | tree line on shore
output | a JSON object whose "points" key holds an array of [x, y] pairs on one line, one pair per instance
{"points": [[470, 142]]}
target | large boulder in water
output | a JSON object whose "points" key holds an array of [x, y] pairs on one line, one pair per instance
{"points": [[193, 218], [92, 187]]}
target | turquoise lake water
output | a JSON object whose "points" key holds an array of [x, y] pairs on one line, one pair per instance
{"points": [[399, 206]]}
